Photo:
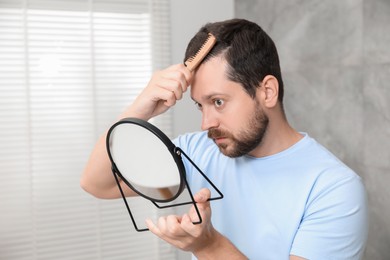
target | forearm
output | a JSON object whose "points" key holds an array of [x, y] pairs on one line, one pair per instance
{"points": [[219, 248], [222, 248], [97, 177]]}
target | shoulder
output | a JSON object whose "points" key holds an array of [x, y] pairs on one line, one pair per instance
{"points": [[330, 176], [321, 162], [335, 213], [331, 171]]}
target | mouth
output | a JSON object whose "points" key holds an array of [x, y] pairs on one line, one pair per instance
{"points": [[218, 136], [218, 140]]}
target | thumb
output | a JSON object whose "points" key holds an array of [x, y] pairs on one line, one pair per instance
{"points": [[202, 196]]}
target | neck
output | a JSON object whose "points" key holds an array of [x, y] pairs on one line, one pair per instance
{"points": [[278, 137]]}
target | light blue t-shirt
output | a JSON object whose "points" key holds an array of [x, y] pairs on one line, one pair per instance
{"points": [[302, 201]]}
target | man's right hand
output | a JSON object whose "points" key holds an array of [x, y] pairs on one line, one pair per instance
{"points": [[163, 90]]}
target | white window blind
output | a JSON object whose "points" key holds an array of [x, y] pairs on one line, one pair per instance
{"points": [[67, 69]]}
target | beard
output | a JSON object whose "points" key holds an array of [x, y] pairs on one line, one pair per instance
{"points": [[247, 139]]}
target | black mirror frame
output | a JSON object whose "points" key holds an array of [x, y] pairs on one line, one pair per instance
{"points": [[176, 153]]}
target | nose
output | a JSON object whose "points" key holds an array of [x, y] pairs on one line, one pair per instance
{"points": [[209, 120]]}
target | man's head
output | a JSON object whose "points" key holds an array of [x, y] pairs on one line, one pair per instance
{"points": [[249, 52], [237, 85]]}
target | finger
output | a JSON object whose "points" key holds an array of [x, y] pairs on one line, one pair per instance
{"points": [[185, 76], [194, 215], [174, 228], [152, 227], [202, 204], [162, 224], [166, 96], [171, 85], [179, 76], [180, 73], [170, 101], [189, 227], [186, 221], [202, 196]]}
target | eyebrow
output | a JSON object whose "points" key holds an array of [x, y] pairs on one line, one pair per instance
{"points": [[209, 96]]}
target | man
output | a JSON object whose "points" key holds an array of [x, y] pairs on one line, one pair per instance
{"points": [[286, 196]]}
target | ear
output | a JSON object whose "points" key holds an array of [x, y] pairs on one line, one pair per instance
{"points": [[268, 91]]}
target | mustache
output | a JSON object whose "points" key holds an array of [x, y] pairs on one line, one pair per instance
{"points": [[214, 133]]}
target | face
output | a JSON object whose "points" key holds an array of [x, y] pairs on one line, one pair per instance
{"points": [[234, 120]]}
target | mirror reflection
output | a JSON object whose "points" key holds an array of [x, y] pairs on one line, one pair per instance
{"points": [[144, 162]]}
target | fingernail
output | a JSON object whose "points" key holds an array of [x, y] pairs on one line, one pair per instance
{"points": [[200, 197]]}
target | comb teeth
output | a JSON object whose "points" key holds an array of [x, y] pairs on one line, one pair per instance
{"points": [[193, 61]]}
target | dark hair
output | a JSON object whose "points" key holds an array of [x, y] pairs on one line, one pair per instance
{"points": [[250, 53]]}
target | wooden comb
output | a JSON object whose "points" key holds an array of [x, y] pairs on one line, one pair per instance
{"points": [[193, 61]]}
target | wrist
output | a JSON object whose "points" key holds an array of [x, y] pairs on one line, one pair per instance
{"points": [[211, 244], [131, 112], [218, 247]]}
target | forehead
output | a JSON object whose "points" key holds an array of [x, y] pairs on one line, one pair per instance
{"points": [[210, 79]]}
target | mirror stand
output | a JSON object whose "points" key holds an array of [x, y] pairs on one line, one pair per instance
{"points": [[125, 201], [179, 152]]}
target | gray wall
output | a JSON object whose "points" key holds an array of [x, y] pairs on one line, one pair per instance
{"points": [[335, 56]]}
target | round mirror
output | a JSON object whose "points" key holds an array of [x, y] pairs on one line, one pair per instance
{"points": [[145, 159]]}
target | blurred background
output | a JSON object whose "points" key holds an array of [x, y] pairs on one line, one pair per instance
{"points": [[69, 67]]}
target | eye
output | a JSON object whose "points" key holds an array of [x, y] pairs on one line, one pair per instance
{"points": [[218, 102], [198, 106]]}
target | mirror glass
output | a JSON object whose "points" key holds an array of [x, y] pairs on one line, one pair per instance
{"points": [[144, 162]]}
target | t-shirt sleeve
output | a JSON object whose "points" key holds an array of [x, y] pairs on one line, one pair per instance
{"points": [[334, 225]]}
